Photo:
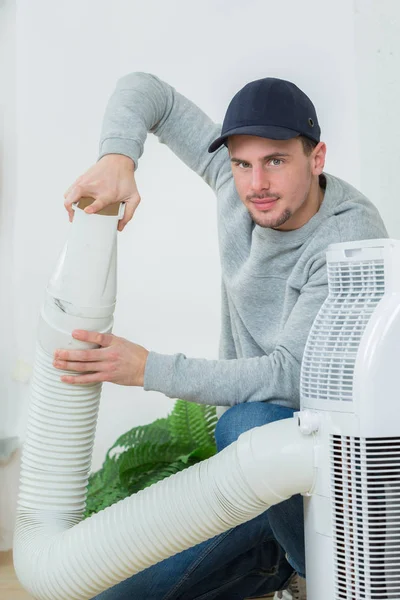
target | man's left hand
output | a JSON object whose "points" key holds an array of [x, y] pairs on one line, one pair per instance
{"points": [[117, 360]]}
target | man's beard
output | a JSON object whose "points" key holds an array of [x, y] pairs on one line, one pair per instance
{"points": [[273, 224]]}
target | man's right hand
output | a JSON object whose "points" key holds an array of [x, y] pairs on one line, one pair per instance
{"points": [[109, 181]]}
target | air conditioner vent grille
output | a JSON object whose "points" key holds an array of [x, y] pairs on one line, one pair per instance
{"points": [[355, 288]]}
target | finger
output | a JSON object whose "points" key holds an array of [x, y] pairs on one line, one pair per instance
{"points": [[94, 337], [87, 187], [129, 211], [82, 379], [79, 367], [69, 209], [79, 355], [97, 205], [73, 196], [70, 188], [78, 182]]}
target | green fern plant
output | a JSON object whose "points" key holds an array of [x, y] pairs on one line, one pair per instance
{"points": [[149, 453]]}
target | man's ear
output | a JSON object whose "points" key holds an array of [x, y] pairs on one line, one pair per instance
{"points": [[318, 158]]}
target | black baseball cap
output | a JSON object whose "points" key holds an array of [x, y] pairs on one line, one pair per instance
{"points": [[270, 108]]}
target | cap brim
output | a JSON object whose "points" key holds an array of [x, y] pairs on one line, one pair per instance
{"points": [[266, 131]]}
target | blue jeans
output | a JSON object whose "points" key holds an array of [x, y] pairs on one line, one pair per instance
{"points": [[248, 560]]}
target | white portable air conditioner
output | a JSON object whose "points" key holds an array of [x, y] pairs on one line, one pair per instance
{"points": [[349, 383], [342, 450]]}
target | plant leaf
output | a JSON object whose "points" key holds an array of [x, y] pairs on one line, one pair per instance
{"points": [[149, 453]]}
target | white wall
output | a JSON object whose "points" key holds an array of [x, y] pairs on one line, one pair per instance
{"points": [[10, 399], [377, 43], [9, 419], [69, 55]]}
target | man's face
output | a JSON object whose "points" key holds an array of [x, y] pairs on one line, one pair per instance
{"points": [[276, 180]]}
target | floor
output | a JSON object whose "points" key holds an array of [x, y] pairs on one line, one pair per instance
{"points": [[9, 586]]}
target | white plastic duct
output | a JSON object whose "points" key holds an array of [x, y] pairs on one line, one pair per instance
{"points": [[58, 556]]}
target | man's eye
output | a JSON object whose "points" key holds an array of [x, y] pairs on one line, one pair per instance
{"points": [[244, 165], [275, 162]]}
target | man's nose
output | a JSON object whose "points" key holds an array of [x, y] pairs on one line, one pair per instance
{"points": [[259, 180]]}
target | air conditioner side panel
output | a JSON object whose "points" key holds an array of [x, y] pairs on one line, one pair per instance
{"points": [[376, 385]]}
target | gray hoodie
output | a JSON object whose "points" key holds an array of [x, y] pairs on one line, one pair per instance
{"points": [[273, 282]]}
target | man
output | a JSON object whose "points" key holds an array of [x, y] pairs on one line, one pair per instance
{"points": [[277, 212]]}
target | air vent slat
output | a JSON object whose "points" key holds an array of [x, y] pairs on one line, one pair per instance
{"points": [[366, 517]]}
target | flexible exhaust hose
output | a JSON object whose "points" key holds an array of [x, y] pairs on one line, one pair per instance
{"points": [[59, 557]]}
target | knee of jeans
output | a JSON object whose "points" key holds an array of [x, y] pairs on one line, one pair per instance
{"points": [[236, 420], [243, 417]]}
